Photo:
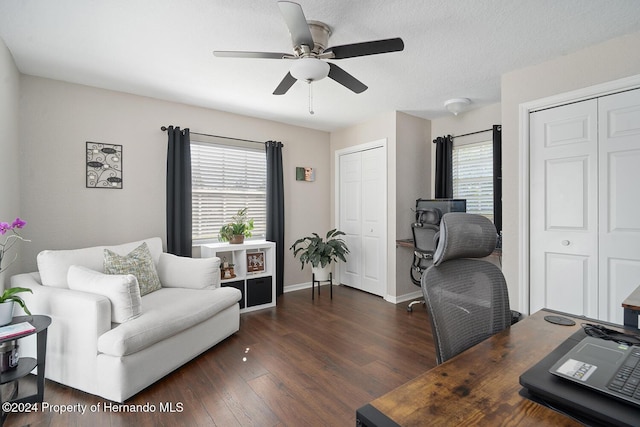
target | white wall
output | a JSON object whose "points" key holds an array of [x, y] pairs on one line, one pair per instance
{"points": [[408, 176], [9, 151], [383, 126], [471, 121], [57, 119], [413, 181], [611, 60]]}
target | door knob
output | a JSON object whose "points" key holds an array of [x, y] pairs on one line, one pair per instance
{"points": [[566, 243]]}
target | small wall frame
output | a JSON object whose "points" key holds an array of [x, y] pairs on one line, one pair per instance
{"points": [[104, 165], [305, 173]]}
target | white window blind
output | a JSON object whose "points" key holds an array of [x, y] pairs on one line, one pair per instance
{"points": [[226, 179], [473, 176]]}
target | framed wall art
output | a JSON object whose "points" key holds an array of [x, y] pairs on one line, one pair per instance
{"points": [[104, 165], [305, 173]]}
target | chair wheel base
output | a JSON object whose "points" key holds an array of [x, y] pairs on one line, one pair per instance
{"points": [[410, 306]]}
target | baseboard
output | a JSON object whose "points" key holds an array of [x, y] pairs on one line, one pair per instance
{"points": [[406, 297], [300, 286], [394, 300]]}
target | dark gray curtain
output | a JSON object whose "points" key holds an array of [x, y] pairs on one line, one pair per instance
{"points": [[275, 207], [497, 177], [444, 173], [179, 220]]}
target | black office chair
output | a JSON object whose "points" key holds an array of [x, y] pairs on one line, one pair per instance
{"points": [[425, 236], [467, 299]]}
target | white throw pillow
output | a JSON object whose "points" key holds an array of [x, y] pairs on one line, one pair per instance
{"points": [[121, 289], [53, 265], [184, 272]]}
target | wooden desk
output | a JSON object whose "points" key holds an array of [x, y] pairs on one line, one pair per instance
{"points": [[405, 243], [479, 386], [631, 307]]}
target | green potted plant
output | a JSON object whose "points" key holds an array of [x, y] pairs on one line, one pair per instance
{"points": [[321, 252], [235, 231], [7, 300]]}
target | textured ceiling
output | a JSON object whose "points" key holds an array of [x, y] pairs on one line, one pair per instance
{"points": [[163, 49]]}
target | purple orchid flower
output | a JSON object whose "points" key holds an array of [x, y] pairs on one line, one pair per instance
{"points": [[10, 240], [18, 223]]}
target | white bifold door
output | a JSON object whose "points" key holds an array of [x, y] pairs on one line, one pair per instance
{"points": [[585, 206], [362, 216]]}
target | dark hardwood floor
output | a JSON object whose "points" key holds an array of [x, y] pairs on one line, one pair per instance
{"points": [[303, 363]]}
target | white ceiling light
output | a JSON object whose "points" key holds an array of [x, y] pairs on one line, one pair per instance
{"points": [[309, 69], [457, 105]]}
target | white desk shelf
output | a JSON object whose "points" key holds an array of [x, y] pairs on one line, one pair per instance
{"points": [[258, 287]]}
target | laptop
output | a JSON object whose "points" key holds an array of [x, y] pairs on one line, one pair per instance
{"points": [[604, 366], [570, 396]]}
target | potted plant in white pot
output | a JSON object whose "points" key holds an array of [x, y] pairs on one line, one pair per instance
{"points": [[239, 228], [9, 297], [7, 300], [321, 252]]}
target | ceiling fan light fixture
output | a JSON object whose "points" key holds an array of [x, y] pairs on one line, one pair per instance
{"points": [[310, 40], [457, 105], [309, 69]]}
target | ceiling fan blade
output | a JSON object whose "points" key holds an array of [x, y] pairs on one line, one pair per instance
{"points": [[345, 79], [240, 54], [285, 84], [366, 48], [297, 23]]}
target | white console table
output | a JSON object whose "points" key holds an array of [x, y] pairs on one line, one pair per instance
{"points": [[254, 264]]}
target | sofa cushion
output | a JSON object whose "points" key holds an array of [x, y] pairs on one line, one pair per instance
{"points": [[137, 262], [184, 272], [53, 265], [167, 312], [121, 289]]}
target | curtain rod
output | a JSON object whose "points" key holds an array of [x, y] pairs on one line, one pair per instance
{"points": [[472, 133], [164, 128]]}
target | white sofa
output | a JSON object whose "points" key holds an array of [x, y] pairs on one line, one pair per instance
{"points": [[88, 351]]}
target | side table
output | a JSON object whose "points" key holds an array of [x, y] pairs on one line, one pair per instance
{"points": [[314, 281], [27, 364]]}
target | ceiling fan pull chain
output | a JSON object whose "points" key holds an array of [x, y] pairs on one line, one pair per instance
{"points": [[310, 98]]}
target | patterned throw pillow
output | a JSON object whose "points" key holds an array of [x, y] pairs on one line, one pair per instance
{"points": [[137, 262]]}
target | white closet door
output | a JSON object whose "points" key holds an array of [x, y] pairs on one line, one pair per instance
{"points": [[564, 208], [362, 216], [373, 222], [351, 217], [619, 161]]}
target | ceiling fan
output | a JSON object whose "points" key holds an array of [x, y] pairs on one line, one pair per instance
{"points": [[310, 51]]}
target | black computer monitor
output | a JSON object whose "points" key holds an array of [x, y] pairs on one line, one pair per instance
{"points": [[445, 205]]}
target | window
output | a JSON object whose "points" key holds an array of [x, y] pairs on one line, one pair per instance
{"points": [[473, 176], [225, 179]]}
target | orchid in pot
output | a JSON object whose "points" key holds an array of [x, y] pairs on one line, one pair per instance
{"points": [[9, 296]]}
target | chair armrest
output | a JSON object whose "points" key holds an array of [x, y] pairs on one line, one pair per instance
{"points": [[77, 318], [61, 302], [184, 272]]}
